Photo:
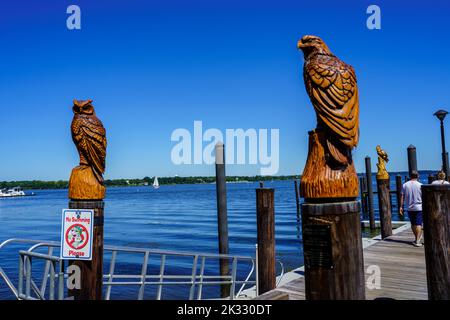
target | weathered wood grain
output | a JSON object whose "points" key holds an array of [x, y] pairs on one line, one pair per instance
{"points": [[266, 238], [436, 213]]}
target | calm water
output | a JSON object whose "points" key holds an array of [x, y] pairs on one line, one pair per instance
{"points": [[174, 217]]}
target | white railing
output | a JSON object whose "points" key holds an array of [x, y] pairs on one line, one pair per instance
{"points": [[53, 285]]}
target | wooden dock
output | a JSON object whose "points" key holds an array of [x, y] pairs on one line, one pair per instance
{"points": [[402, 266]]}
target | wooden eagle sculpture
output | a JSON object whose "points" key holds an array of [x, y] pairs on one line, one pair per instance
{"points": [[383, 158], [332, 89], [89, 137]]}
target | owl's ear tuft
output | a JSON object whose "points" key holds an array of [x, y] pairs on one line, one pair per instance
{"points": [[78, 103]]}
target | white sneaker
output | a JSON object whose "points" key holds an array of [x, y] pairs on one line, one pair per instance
{"points": [[417, 244]]}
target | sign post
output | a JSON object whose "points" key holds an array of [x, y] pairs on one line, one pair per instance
{"points": [[76, 234], [91, 268]]}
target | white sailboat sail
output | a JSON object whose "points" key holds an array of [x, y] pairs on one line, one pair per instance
{"points": [[156, 183]]}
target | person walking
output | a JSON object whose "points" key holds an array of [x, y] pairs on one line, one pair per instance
{"points": [[440, 179], [412, 198]]}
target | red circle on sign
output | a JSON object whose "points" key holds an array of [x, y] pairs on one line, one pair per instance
{"points": [[83, 238]]}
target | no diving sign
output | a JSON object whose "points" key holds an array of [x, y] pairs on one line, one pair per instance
{"points": [[76, 234]]}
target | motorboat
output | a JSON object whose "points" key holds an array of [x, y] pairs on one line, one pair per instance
{"points": [[14, 192]]}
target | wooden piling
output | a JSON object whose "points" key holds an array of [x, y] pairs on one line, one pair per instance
{"points": [[431, 178], [370, 193], [332, 248], [412, 160], [91, 271], [222, 215], [384, 205], [265, 215], [398, 191], [436, 222], [447, 165], [362, 191], [297, 199]]}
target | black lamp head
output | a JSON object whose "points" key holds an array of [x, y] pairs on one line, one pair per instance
{"points": [[441, 114]]}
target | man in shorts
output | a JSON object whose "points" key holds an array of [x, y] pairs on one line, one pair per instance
{"points": [[412, 199]]}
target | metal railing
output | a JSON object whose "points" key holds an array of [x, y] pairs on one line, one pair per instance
{"points": [[53, 275]]}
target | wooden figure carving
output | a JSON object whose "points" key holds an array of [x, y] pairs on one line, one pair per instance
{"points": [[382, 159], [89, 136], [332, 89]]}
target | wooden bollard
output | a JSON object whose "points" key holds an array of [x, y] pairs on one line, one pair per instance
{"points": [[436, 222], [362, 190], [332, 247], [447, 164], [91, 271], [412, 160], [398, 191], [297, 199], [222, 215], [384, 205], [265, 215], [370, 193]]}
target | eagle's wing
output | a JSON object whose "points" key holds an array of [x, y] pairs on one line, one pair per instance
{"points": [[89, 135], [331, 85]]}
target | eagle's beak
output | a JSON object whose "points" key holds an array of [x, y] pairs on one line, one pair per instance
{"points": [[300, 44]]}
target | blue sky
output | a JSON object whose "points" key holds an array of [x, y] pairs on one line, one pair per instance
{"points": [[154, 66]]}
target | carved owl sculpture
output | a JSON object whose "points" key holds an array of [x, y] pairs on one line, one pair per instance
{"points": [[332, 89], [89, 137]]}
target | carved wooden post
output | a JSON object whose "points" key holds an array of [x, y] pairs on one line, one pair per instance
{"points": [[384, 195], [384, 207], [412, 160], [87, 191], [436, 222], [222, 215], [370, 193], [332, 244], [334, 265], [265, 215], [398, 191]]}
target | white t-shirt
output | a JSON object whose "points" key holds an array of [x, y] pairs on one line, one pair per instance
{"points": [[413, 195], [440, 182]]}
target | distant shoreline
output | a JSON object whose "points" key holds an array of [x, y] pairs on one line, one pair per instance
{"points": [[147, 181]]}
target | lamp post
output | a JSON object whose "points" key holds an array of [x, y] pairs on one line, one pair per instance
{"points": [[441, 116]]}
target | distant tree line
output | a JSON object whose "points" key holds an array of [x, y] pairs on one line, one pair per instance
{"points": [[38, 184]]}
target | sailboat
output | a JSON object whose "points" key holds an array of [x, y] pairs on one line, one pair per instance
{"points": [[155, 183]]}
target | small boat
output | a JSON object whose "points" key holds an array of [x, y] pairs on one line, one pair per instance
{"points": [[4, 193], [14, 192], [155, 183]]}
